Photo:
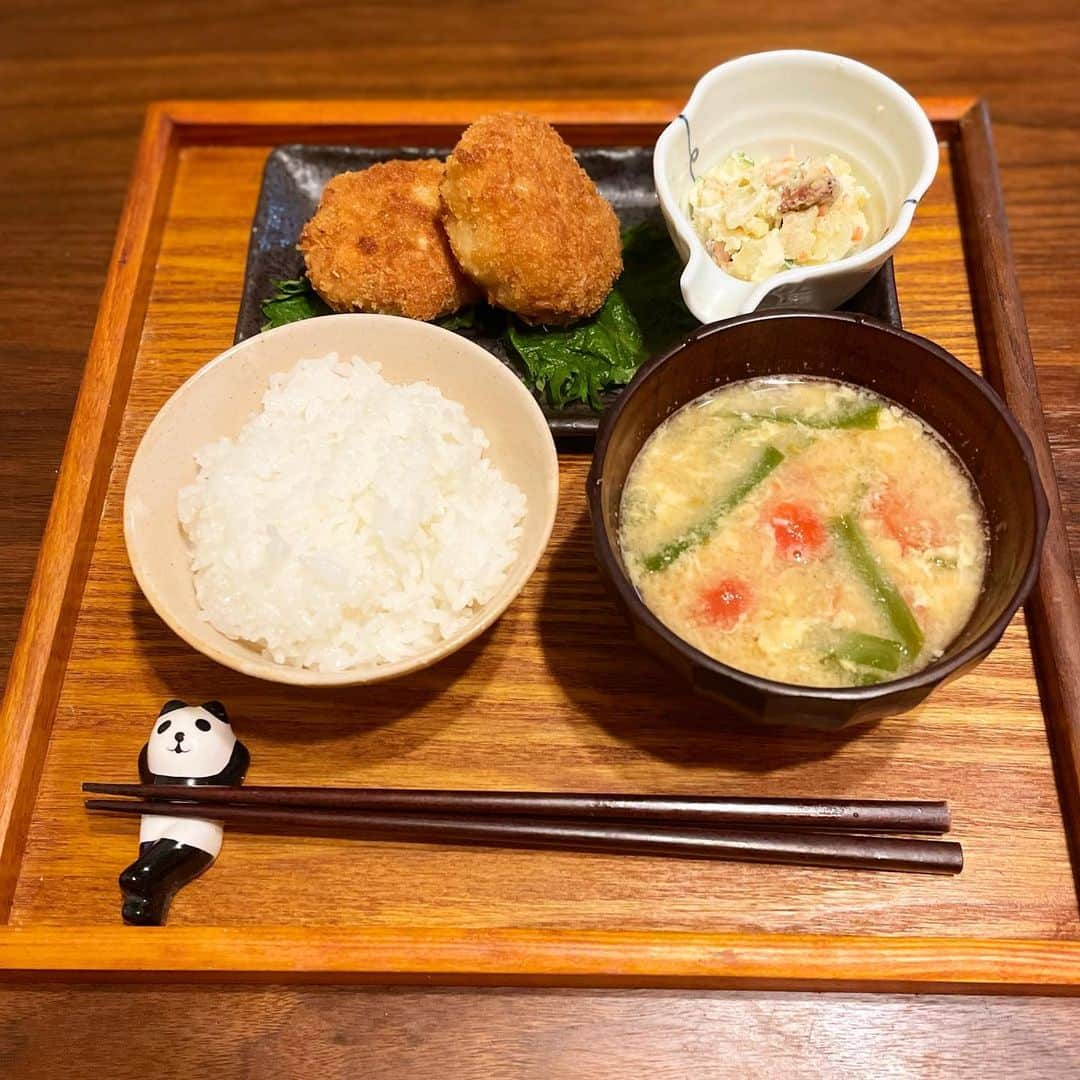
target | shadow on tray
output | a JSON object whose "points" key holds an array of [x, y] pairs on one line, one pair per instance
{"points": [[279, 713], [591, 652]]}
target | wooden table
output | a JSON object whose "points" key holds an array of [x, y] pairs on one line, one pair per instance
{"points": [[74, 81]]}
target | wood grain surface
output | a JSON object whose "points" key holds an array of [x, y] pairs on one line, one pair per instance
{"points": [[388, 1034], [555, 696], [75, 82]]}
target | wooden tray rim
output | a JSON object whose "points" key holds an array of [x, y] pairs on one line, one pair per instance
{"points": [[538, 956], [785, 961]]}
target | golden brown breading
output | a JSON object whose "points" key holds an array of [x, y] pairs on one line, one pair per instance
{"points": [[376, 243], [527, 223]]}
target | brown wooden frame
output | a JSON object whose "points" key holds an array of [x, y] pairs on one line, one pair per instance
{"points": [[786, 961]]}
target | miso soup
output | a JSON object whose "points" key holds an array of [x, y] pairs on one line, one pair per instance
{"points": [[806, 531]]}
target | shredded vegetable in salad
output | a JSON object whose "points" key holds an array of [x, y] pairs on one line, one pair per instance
{"points": [[760, 216]]}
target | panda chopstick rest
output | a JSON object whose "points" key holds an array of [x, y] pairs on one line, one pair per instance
{"points": [[192, 745]]}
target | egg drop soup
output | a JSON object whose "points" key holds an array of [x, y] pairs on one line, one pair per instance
{"points": [[804, 530]]}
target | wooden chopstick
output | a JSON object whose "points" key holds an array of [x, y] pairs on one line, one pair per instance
{"points": [[851, 815], [793, 847]]}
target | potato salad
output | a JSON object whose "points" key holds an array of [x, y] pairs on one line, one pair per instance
{"points": [[758, 216]]}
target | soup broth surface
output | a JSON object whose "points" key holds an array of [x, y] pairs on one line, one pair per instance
{"points": [[806, 531]]}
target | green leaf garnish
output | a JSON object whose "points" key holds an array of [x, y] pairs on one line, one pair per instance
{"points": [[650, 285], [476, 320], [292, 300], [577, 363], [465, 319], [643, 315]]}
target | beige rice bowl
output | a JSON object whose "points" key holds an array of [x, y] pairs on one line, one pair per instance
{"points": [[351, 522]]}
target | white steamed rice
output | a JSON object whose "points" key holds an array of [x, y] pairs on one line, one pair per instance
{"points": [[350, 522]]}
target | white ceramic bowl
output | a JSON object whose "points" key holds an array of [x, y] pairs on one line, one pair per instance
{"points": [[219, 398], [764, 104]]}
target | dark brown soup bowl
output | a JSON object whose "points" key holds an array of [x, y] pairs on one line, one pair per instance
{"points": [[909, 370]]}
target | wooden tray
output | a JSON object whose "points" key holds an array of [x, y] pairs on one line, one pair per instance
{"points": [[555, 696]]}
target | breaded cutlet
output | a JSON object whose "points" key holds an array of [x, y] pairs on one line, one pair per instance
{"points": [[526, 222], [376, 243]]}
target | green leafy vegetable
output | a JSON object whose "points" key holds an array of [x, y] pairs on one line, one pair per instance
{"points": [[665, 556], [643, 315], [650, 286], [465, 319], [291, 301], [861, 416], [579, 362], [852, 541], [478, 318]]}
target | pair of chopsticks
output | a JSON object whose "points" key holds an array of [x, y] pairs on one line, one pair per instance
{"points": [[803, 832]]}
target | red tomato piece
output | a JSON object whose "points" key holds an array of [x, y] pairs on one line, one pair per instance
{"points": [[903, 525], [798, 530], [726, 602]]}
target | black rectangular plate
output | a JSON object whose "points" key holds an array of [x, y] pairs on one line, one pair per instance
{"points": [[292, 184]]}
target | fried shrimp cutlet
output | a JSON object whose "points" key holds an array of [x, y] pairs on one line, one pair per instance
{"points": [[526, 222], [376, 243]]}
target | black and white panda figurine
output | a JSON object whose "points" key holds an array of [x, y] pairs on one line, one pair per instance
{"points": [[189, 744]]}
